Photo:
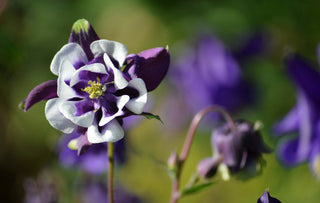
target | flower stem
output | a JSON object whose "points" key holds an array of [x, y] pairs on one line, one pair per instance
{"points": [[195, 123], [187, 144], [110, 171]]}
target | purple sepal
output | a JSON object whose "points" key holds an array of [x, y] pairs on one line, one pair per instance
{"points": [[83, 34], [253, 44], [44, 91], [266, 198], [305, 76], [239, 149], [150, 65]]}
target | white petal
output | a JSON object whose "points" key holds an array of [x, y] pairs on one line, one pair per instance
{"points": [[65, 73], [55, 117], [71, 52], [95, 68], [115, 49], [119, 81], [112, 132], [120, 104], [68, 109], [136, 105]]}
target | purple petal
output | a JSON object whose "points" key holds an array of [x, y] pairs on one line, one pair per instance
{"points": [[44, 91], [216, 63], [254, 44], [83, 34], [306, 77], [266, 198], [288, 152], [150, 65], [288, 124]]}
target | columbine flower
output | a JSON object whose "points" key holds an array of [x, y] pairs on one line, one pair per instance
{"points": [[266, 198], [95, 160], [304, 118], [98, 84], [240, 151], [207, 74]]}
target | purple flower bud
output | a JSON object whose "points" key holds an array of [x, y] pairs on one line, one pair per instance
{"points": [[266, 198], [207, 167], [241, 150]]}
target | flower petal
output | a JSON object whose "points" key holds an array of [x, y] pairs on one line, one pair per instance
{"points": [[65, 73], [119, 81], [288, 152], [95, 68], [44, 91], [306, 77], [136, 105], [71, 52], [289, 123], [122, 101], [83, 34], [111, 132], [114, 49], [151, 66], [56, 118], [79, 112]]}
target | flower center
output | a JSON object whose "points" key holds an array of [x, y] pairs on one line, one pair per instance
{"points": [[95, 90]]}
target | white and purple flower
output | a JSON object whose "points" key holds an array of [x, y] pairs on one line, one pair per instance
{"points": [[98, 84]]}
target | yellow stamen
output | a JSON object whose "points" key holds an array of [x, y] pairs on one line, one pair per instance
{"points": [[95, 90]]}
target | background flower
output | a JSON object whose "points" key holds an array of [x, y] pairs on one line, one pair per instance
{"points": [[303, 119]]}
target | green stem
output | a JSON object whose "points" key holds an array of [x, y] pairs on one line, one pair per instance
{"points": [[175, 196], [110, 171]]}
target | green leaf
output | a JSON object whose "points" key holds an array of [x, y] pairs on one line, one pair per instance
{"points": [[196, 188], [151, 116]]}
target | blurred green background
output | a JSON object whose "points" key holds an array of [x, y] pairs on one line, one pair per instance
{"points": [[32, 31]]}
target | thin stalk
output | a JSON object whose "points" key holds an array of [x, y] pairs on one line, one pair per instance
{"points": [[110, 171], [188, 141]]}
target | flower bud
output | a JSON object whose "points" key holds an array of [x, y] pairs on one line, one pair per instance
{"points": [[207, 167], [266, 198], [241, 149]]}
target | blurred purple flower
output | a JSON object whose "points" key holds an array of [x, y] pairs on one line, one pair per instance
{"points": [[95, 160], [266, 198], [304, 118], [41, 190], [240, 151], [98, 84], [256, 43], [207, 74], [94, 192]]}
